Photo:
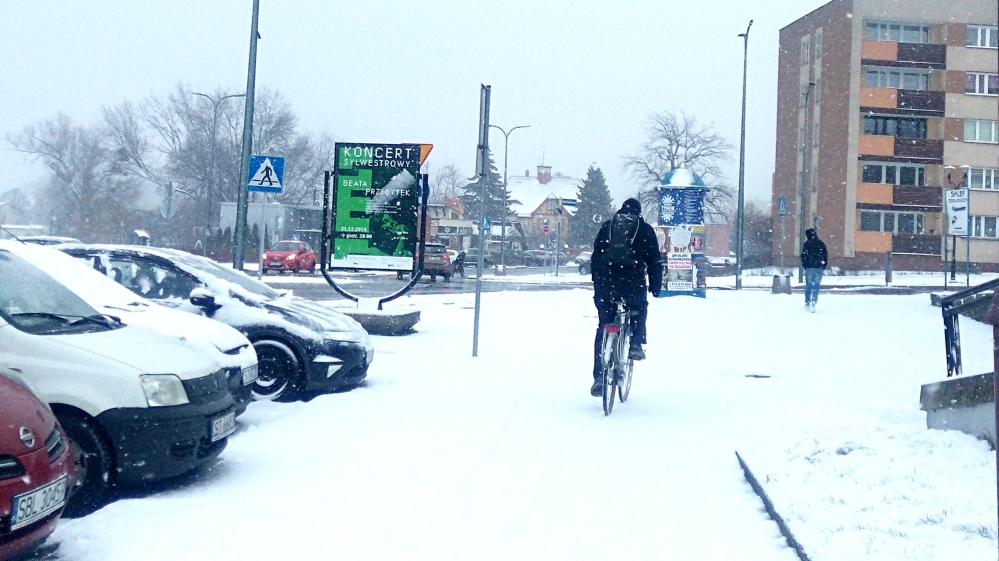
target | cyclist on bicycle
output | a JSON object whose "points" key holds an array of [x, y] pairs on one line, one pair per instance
{"points": [[625, 253]]}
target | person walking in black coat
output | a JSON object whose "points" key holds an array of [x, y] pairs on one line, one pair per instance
{"points": [[814, 258], [619, 271]]}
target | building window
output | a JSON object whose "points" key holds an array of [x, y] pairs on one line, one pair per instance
{"points": [[982, 36], [983, 178], [901, 127], [980, 131], [894, 174], [891, 221], [981, 83], [804, 51], [984, 227], [895, 78], [897, 31], [818, 43]]}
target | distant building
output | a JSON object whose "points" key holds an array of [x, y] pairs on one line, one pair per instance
{"points": [[544, 199], [881, 105]]}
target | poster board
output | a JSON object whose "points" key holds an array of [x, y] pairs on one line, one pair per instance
{"points": [[681, 235], [375, 205]]}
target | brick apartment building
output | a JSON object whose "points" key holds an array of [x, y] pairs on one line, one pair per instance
{"points": [[881, 105]]}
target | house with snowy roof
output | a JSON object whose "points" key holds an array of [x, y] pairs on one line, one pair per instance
{"points": [[542, 200]]}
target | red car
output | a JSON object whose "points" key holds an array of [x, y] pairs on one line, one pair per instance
{"points": [[291, 256], [36, 470]]}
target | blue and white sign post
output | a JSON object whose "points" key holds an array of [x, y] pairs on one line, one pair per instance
{"points": [[265, 175]]}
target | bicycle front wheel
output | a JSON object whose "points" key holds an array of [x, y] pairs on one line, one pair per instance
{"points": [[624, 365], [610, 387], [624, 387]]}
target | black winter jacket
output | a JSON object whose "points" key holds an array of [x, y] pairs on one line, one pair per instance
{"points": [[814, 254], [627, 282]]}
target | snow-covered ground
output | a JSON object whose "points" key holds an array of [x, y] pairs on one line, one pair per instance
{"points": [[506, 456]]}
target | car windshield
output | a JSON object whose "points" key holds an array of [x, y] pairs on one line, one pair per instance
{"points": [[35, 303], [435, 249], [233, 276], [284, 246]]}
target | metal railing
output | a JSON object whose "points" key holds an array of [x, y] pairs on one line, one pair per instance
{"points": [[951, 307]]}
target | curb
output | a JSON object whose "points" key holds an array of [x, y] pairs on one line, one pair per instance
{"points": [[769, 506]]}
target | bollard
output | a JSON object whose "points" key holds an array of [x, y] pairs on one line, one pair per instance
{"points": [[888, 268], [781, 284]]}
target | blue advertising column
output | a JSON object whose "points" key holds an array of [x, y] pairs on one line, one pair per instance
{"points": [[681, 233]]}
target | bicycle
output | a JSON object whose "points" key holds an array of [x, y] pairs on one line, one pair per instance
{"points": [[615, 359]]}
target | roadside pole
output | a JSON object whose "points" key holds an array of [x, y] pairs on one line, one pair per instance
{"points": [[261, 230], [242, 197], [558, 238], [482, 163]]}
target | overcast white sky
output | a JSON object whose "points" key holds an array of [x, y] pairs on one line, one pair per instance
{"points": [[585, 74]]}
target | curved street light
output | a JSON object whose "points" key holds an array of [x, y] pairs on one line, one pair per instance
{"points": [[211, 165], [506, 146]]}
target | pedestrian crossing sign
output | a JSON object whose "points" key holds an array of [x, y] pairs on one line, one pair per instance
{"points": [[266, 174]]}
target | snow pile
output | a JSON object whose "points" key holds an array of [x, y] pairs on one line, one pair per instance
{"points": [[851, 486]]}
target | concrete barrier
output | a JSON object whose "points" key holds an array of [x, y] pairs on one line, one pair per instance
{"points": [[380, 322], [962, 403]]}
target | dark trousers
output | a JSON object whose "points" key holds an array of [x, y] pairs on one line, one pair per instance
{"points": [[606, 310]]}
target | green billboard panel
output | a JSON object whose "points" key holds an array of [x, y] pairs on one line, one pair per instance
{"points": [[376, 204]]}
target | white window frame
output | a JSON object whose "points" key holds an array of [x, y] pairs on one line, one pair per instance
{"points": [[985, 36], [981, 83], [898, 173], [918, 221], [981, 131], [896, 30], [989, 176], [978, 227]]}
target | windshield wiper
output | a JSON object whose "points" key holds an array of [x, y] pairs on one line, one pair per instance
{"points": [[103, 320]]}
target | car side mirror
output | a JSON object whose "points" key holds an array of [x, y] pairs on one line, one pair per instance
{"points": [[201, 298]]}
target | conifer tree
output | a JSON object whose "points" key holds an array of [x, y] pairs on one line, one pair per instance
{"points": [[494, 195], [593, 207]]}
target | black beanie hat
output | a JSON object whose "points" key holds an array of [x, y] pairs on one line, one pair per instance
{"points": [[631, 206]]}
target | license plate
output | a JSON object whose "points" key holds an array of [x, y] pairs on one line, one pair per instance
{"points": [[34, 505], [223, 426]]}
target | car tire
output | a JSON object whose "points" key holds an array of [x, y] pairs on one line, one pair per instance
{"points": [[279, 373], [94, 459], [433, 277], [447, 278]]}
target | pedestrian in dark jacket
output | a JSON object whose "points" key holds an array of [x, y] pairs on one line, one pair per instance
{"points": [[814, 258], [612, 282]]}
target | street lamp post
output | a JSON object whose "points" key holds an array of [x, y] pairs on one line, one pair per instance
{"points": [[506, 146], [804, 176], [740, 219], [211, 164]]}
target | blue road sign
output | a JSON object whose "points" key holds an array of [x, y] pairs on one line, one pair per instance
{"points": [[782, 206], [488, 222], [266, 174]]}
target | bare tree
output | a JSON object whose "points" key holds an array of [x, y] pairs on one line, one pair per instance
{"points": [[87, 193], [675, 143], [446, 181]]}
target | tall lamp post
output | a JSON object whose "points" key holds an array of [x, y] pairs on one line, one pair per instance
{"points": [[506, 147], [740, 219], [804, 177], [211, 165]]}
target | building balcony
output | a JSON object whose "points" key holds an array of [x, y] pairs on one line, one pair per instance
{"points": [[931, 197], [896, 101], [923, 53], [920, 244], [919, 148], [913, 55], [923, 101]]}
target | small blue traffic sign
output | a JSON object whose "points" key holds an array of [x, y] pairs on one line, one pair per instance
{"points": [[488, 222], [266, 174], [782, 206]]}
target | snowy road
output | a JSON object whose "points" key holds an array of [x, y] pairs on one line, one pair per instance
{"points": [[441, 456]]}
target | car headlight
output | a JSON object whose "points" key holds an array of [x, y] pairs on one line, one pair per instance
{"points": [[290, 257], [348, 336], [163, 390]]}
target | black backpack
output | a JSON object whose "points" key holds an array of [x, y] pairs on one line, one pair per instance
{"points": [[621, 236]]}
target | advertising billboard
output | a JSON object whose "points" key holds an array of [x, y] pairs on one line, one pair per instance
{"points": [[375, 205]]}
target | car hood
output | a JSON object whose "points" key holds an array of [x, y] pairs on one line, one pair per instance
{"points": [[20, 408], [270, 254], [144, 350], [316, 316]]}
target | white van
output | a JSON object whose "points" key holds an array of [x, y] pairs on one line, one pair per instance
{"points": [[136, 405], [226, 345]]}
